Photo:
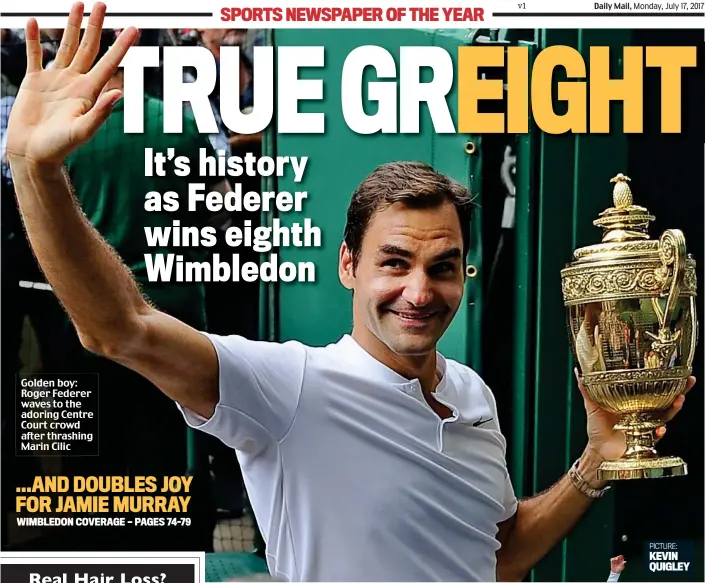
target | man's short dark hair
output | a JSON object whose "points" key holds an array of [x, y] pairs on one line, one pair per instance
{"points": [[416, 185]]}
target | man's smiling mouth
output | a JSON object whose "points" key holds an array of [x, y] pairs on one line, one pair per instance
{"points": [[414, 316]]}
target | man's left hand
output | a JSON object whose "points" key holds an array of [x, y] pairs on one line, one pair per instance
{"points": [[603, 439]]}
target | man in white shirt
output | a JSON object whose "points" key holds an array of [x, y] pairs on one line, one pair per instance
{"points": [[371, 459]]}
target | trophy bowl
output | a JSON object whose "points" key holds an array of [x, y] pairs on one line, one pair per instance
{"points": [[631, 305]]}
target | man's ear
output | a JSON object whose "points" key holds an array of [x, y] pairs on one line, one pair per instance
{"points": [[346, 272]]}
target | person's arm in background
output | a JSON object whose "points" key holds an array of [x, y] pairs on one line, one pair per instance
{"points": [[617, 564], [99, 293]]}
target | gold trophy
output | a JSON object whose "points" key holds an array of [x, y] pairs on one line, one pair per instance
{"points": [[632, 321]]}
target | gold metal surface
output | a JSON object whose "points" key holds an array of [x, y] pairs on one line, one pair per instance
{"points": [[632, 322]]}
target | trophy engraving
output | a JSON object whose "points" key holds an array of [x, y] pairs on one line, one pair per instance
{"points": [[631, 310]]}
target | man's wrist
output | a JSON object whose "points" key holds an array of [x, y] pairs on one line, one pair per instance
{"points": [[588, 465], [30, 172], [22, 163], [582, 474]]}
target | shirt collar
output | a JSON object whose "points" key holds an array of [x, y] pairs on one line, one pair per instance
{"points": [[371, 365]]}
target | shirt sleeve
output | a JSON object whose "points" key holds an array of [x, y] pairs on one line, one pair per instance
{"points": [[613, 577], [259, 388], [510, 500]]}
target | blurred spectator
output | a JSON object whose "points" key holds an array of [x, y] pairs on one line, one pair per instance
{"points": [[242, 144], [213, 39], [51, 39], [255, 37], [153, 77]]}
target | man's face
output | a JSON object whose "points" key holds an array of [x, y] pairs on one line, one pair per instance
{"points": [[408, 283]]}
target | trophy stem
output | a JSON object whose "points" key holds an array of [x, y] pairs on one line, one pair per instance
{"points": [[640, 444], [639, 435], [641, 459]]}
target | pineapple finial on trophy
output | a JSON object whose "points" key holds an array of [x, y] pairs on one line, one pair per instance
{"points": [[622, 195]]}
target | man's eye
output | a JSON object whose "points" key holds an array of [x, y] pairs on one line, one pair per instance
{"points": [[395, 263], [444, 267]]}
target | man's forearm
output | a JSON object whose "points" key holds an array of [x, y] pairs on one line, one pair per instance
{"points": [[543, 521], [88, 277]]}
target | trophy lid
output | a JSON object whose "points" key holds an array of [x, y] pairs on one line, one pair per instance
{"points": [[625, 227], [627, 263], [624, 221]]}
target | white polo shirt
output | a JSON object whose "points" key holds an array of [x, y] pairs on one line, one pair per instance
{"points": [[351, 475]]}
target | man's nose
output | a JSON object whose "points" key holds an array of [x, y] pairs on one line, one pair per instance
{"points": [[418, 291]]}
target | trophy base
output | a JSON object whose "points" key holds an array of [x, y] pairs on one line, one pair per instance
{"points": [[635, 469]]}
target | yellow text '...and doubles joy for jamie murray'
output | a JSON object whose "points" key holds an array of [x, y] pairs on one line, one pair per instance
{"points": [[105, 494]]}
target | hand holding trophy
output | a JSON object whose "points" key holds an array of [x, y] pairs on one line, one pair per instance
{"points": [[632, 322]]}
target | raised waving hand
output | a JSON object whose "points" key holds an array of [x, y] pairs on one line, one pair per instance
{"points": [[58, 109]]}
